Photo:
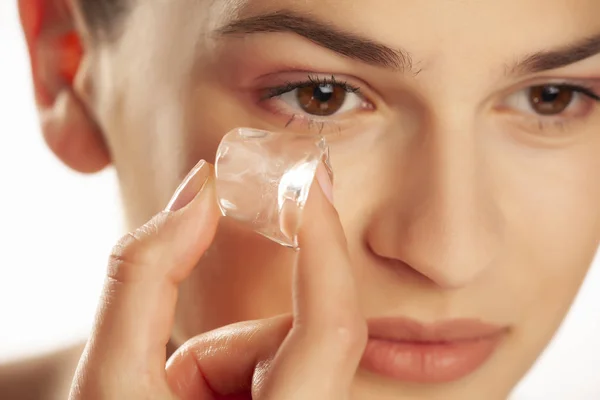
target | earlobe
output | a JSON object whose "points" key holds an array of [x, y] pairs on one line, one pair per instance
{"points": [[57, 66]]}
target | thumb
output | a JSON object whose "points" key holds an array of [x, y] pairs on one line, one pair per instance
{"points": [[320, 356]]}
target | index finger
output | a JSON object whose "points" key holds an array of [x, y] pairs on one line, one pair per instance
{"points": [[136, 312]]}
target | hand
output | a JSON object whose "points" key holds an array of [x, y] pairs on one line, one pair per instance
{"points": [[312, 355]]}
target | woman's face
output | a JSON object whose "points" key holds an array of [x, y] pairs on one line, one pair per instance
{"points": [[464, 137]]}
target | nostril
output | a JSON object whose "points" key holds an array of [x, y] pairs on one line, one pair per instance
{"points": [[399, 268], [443, 274]]}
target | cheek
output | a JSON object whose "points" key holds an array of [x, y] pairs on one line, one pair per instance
{"points": [[553, 220]]}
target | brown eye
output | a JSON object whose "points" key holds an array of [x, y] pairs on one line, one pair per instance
{"points": [[550, 100], [321, 99]]}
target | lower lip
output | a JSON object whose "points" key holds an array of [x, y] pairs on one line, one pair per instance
{"points": [[422, 362]]}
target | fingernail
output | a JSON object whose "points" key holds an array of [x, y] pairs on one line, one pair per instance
{"points": [[324, 179], [190, 187]]}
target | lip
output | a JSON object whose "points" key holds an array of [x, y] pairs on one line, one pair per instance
{"points": [[445, 351]]}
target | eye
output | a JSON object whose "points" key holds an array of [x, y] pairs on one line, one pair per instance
{"points": [[553, 100], [320, 98], [323, 99], [550, 100]]}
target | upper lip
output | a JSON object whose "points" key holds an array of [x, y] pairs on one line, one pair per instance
{"points": [[409, 330]]}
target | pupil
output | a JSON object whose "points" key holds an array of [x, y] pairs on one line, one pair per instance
{"points": [[550, 94], [323, 93], [322, 99]]}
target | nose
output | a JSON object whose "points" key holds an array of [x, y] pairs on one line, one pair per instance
{"points": [[441, 215]]}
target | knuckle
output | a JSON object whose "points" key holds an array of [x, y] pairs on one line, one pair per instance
{"points": [[134, 252], [124, 259]]}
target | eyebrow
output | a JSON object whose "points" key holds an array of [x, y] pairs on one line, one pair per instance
{"points": [[562, 57], [345, 43]]}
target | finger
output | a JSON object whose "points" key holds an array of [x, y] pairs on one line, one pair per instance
{"points": [[222, 364], [321, 355], [136, 311]]}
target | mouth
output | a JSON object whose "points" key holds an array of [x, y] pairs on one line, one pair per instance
{"points": [[408, 351]]}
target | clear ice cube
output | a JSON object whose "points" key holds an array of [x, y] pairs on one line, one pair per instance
{"points": [[261, 174]]}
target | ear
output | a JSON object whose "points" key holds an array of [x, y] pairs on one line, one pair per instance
{"points": [[62, 84]]}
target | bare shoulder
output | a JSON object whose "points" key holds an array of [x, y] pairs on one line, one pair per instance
{"points": [[47, 377]]}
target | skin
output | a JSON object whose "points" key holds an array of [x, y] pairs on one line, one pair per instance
{"points": [[473, 210]]}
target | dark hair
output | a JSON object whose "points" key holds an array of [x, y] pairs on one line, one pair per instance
{"points": [[103, 16]]}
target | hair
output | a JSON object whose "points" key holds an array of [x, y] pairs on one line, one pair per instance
{"points": [[102, 16]]}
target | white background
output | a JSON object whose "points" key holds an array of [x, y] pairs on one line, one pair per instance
{"points": [[56, 228]]}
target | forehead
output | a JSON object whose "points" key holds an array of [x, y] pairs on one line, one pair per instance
{"points": [[429, 29], [449, 38]]}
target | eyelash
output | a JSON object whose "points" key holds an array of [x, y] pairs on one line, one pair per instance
{"points": [[551, 122], [312, 80], [588, 91], [543, 122]]}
